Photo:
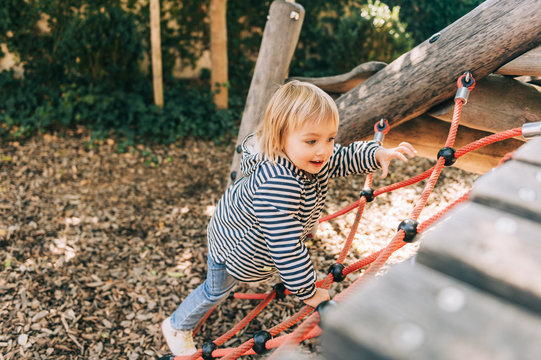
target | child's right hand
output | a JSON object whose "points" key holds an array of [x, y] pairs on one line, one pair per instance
{"points": [[319, 296], [384, 156]]}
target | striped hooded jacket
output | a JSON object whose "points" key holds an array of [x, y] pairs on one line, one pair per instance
{"points": [[262, 220]]}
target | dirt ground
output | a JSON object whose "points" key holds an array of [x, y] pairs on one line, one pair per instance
{"points": [[97, 247]]}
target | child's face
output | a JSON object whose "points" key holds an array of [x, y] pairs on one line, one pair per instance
{"points": [[310, 146]]}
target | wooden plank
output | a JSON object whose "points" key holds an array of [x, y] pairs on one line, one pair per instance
{"points": [[292, 354], [528, 63], [414, 312], [530, 152], [490, 249], [513, 187], [427, 75]]}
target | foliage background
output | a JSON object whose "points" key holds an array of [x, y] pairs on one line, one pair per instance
{"points": [[86, 66], [426, 17]]}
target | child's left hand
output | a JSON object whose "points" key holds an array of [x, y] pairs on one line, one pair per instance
{"points": [[384, 156]]}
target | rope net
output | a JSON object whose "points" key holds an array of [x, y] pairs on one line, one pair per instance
{"points": [[309, 327]]}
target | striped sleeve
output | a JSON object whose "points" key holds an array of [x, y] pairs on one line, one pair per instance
{"points": [[357, 158], [275, 202]]}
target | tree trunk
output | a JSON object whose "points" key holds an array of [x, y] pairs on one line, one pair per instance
{"points": [[277, 46], [481, 41], [218, 53], [155, 42]]}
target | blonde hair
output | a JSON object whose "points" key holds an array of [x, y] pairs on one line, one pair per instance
{"points": [[291, 106]]}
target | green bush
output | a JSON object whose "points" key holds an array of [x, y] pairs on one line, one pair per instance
{"points": [[129, 115], [366, 33], [87, 41], [427, 17], [101, 45], [336, 36], [85, 69]]}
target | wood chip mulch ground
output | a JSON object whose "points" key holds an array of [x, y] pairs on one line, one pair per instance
{"points": [[98, 247]]}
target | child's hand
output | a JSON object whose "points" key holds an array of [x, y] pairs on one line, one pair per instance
{"points": [[319, 296], [384, 156]]}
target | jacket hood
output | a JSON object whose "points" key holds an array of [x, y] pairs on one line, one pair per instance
{"points": [[251, 158]]}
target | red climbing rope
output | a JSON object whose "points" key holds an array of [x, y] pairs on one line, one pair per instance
{"points": [[488, 140], [379, 259], [353, 231], [504, 135]]}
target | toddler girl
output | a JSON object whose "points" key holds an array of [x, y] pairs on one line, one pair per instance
{"points": [[261, 222]]}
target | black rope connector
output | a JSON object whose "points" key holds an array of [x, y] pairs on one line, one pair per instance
{"points": [[467, 80], [368, 194], [448, 154], [260, 340], [410, 229], [336, 271], [280, 291], [208, 348], [381, 126], [324, 306], [231, 295]]}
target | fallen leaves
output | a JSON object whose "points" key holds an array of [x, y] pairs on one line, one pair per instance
{"points": [[98, 247]]}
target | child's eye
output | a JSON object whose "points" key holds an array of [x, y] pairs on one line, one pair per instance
{"points": [[331, 139], [311, 142]]}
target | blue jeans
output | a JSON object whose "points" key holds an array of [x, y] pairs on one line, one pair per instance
{"points": [[210, 293]]}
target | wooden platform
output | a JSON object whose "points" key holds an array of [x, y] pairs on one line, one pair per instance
{"points": [[474, 289]]}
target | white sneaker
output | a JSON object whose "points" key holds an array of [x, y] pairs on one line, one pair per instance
{"points": [[180, 342]]}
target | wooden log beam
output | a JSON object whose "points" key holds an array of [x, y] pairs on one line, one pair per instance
{"points": [[342, 83], [496, 104], [279, 41], [527, 64], [481, 41], [428, 135]]}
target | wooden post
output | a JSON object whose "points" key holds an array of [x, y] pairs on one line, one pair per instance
{"points": [[155, 43], [481, 41], [277, 46], [218, 53]]}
